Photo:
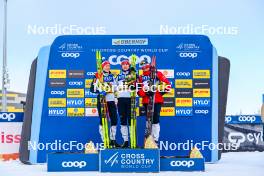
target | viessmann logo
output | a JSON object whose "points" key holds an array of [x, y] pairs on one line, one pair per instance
{"points": [[136, 41]]}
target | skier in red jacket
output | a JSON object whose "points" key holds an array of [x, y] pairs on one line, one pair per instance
{"points": [[162, 86]]}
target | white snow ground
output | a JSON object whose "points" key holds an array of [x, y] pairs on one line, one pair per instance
{"points": [[231, 164]]}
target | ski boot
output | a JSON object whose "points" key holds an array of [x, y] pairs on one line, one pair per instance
{"points": [[114, 144], [125, 144]]}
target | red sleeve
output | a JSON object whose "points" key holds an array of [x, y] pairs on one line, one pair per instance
{"points": [[162, 78], [141, 93]]}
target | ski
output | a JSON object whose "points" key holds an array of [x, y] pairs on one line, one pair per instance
{"points": [[150, 106], [133, 135], [104, 110]]}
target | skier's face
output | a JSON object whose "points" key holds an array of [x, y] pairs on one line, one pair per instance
{"points": [[125, 67], [106, 68]]}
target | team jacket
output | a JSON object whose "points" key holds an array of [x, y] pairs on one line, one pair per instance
{"points": [[108, 78], [144, 79], [120, 81]]}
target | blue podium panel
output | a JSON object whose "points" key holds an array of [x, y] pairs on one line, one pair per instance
{"points": [[72, 162], [65, 110], [130, 160]]}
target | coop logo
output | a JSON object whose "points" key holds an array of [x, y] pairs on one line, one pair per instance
{"points": [[76, 164], [116, 60], [136, 41], [188, 163], [201, 111], [54, 92], [75, 83], [250, 119], [90, 74], [70, 55], [112, 160], [183, 74], [228, 119], [7, 116], [188, 55]]}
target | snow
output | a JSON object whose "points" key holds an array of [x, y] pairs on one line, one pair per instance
{"points": [[231, 164]]}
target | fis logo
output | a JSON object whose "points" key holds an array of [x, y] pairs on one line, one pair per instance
{"points": [[188, 163], [57, 111], [75, 102], [7, 116], [70, 55], [76, 164], [112, 160], [188, 55], [184, 111]]}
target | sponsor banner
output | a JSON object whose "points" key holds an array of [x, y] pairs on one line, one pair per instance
{"points": [[168, 102], [201, 102], [75, 112], [243, 119], [57, 73], [76, 74], [169, 73], [11, 116], [167, 111], [72, 162], [57, 111], [182, 164], [184, 93], [170, 94], [75, 102], [91, 112], [75, 93], [243, 137], [75, 83], [201, 111], [183, 75], [184, 102], [184, 111], [90, 74], [130, 160], [201, 74], [183, 83], [10, 135], [201, 83], [89, 94], [91, 102], [57, 102], [57, 82], [135, 41], [201, 93], [88, 83]]}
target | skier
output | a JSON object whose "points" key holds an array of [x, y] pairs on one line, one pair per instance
{"points": [[106, 89], [162, 86], [124, 83]]}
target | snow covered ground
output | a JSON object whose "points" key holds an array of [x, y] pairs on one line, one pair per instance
{"points": [[231, 164]]}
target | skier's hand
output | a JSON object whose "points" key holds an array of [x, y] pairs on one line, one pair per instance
{"points": [[103, 93]]}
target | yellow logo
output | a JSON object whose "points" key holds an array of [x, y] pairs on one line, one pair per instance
{"points": [[88, 83], [167, 111], [75, 93], [57, 102], [115, 72], [169, 94], [197, 74], [201, 93], [57, 73], [184, 102], [75, 112], [183, 83], [90, 102]]}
